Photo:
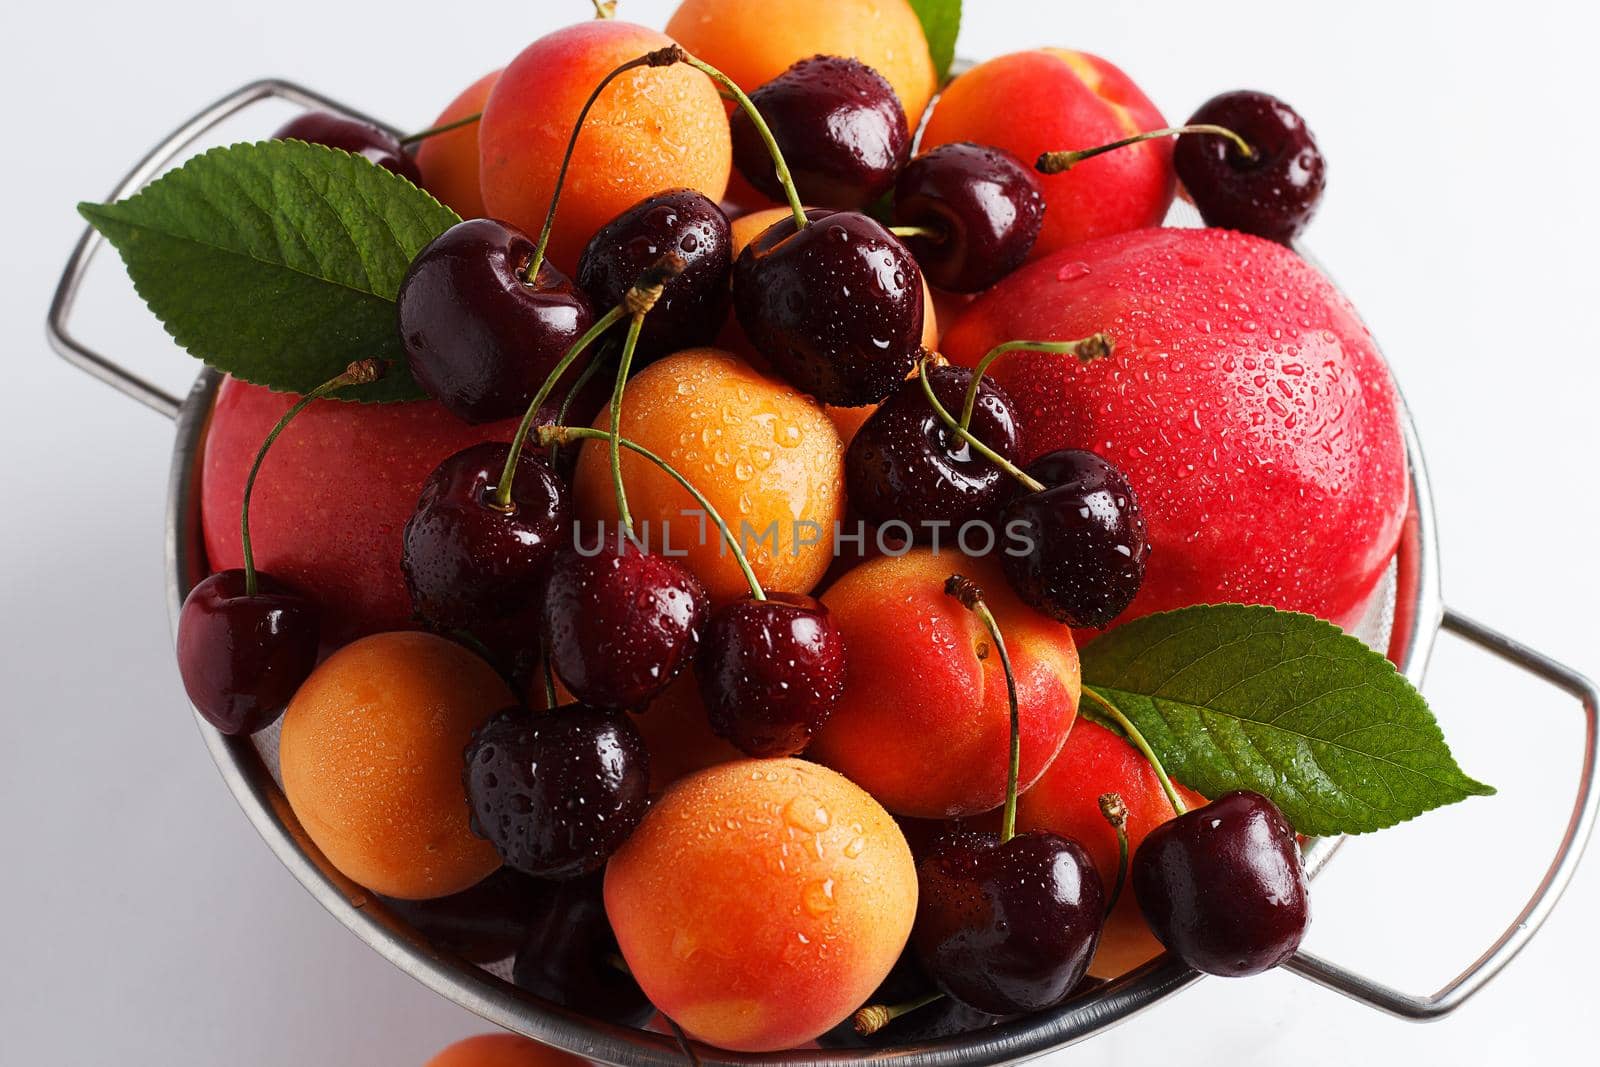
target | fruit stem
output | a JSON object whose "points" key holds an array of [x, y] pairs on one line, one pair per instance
{"points": [[1057, 162], [874, 1017], [661, 57], [605, 9], [362, 372], [1087, 349], [785, 179], [638, 300], [1033, 484], [443, 127], [967, 592], [1137, 738], [553, 435], [1116, 813], [585, 376], [548, 677], [932, 233]]}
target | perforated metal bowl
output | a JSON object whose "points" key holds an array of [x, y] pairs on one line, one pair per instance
{"points": [[1406, 615]]}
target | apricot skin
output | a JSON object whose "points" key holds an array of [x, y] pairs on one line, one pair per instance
{"points": [[371, 761], [503, 1050], [761, 902], [450, 161], [758, 449], [924, 725]]}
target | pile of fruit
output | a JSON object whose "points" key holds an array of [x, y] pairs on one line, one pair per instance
{"points": [[765, 538]]}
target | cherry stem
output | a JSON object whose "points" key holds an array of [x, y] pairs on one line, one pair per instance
{"points": [[971, 597], [443, 127], [874, 1017], [552, 435], [1116, 813], [932, 233], [605, 9], [1057, 162], [548, 677], [361, 372], [1087, 349], [585, 376], [785, 179], [638, 300], [1137, 738], [1033, 484]]}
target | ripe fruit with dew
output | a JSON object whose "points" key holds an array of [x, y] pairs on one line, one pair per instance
{"points": [[449, 161]]}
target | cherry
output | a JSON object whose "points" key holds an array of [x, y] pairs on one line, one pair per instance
{"points": [[621, 623], [483, 319], [570, 957], [835, 306], [557, 792], [969, 213], [838, 120], [471, 559], [1222, 886], [693, 305], [1079, 537], [483, 924], [771, 671], [1272, 193], [356, 137], [905, 464]]}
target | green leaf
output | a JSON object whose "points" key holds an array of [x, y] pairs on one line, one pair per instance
{"points": [[941, 22], [277, 262], [1237, 697]]}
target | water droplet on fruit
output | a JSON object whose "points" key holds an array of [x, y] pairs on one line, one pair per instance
{"points": [[1068, 272], [804, 813], [817, 898]]}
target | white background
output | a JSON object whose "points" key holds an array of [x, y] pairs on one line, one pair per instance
{"points": [[141, 920]]}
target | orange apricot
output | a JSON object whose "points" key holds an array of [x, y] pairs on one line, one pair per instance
{"points": [[651, 129], [503, 1050], [371, 760], [761, 902], [677, 734], [755, 42], [765, 455], [925, 725], [449, 160]]}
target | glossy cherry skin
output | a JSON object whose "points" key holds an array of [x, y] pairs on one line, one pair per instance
{"points": [[906, 464], [557, 792], [836, 308], [1222, 886], [357, 138], [469, 565], [986, 205], [771, 672], [1075, 550], [621, 623], [483, 924], [1273, 195], [242, 656], [1008, 928], [694, 304], [568, 957], [479, 335], [840, 125]]}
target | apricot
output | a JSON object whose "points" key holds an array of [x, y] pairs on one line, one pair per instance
{"points": [[450, 161], [765, 455], [761, 902], [371, 761], [1050, 98], [503, 1050], [925, 725], [755, 42], [651, 129], [678, 736], [1067, 800]]}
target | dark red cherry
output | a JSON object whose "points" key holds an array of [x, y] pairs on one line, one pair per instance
{"points": [[483, 924], [1222, 885], [771, 672], [471, 564], [620, 623], [985, 206], [906, 984], [242, 655], [836, 308], [1008, 928], [481, 336], [570, 955], [906, 464], [840, 125], [356, 137], [1075, 550], [557, 792], [1272, 195], [694, 304]]}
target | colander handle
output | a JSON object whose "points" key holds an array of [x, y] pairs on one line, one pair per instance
{"points": [[1460, 989], [159, 158]]}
